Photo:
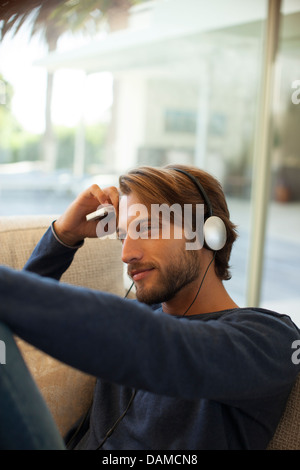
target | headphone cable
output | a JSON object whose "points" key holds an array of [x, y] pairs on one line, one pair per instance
{"points": [[109, 433], [204, 276]]}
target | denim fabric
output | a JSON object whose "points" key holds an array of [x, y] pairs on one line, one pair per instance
{"points": [[25, 421]]}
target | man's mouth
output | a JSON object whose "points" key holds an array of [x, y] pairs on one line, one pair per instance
{"points": [[138, 274]]}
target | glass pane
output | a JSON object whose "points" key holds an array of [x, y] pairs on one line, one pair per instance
{"points": [[281, 281], [178, 85]]}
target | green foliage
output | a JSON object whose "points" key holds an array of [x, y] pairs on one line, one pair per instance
{"points": [[20, 146], [65, 138], [17, 145], [95, 144], [64, 141]]}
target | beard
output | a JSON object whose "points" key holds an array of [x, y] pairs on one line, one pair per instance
{"points": [[179, 273]]}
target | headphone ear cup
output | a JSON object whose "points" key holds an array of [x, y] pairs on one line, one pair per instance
{"points": [[215, 234]]}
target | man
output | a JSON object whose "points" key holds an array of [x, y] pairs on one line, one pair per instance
{"points": [[181, 368]]}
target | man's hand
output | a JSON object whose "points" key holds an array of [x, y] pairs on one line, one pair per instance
{"points": [[72, 227]]}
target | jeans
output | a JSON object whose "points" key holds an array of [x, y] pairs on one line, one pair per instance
{"points": [[25, 420]]}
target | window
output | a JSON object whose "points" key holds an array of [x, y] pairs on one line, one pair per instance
{"points": [[281, 275], [163, 82]]}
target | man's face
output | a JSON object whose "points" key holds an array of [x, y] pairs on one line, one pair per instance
{"points": [[160, 267]]}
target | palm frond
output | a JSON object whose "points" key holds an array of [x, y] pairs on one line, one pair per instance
{"points": [[54, 17]]}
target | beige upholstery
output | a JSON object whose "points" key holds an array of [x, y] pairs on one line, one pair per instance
{"points": [[96, 265], [287, 435]]}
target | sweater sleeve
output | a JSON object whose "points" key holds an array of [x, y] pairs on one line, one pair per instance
{"points": [[243, 355], [51, 257]]}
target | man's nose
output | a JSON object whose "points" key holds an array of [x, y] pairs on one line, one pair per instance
{"points": [[131, 250]]}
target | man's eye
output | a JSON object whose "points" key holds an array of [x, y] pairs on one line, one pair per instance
{"points": [[144, 228], [155, 231]]}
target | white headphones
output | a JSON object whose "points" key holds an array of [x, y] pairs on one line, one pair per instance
{"points": [[214, 229]]}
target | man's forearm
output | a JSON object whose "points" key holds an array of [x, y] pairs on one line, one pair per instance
{"points": [[51, 257]]}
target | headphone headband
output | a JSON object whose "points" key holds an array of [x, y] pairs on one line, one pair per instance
{"points": [[200, 188]]}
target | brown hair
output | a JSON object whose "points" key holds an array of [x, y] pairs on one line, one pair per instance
{"points": [[166, 185]]}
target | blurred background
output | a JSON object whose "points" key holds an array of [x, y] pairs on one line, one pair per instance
{"points": [[91, 89]]}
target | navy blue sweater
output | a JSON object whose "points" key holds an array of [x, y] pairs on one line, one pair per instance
{"points": [[212, 381]]}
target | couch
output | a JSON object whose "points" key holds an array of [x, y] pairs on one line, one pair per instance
{"points": [[96, 265]]}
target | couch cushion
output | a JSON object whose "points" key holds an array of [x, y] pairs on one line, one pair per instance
{"points": [[67, 391]]}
